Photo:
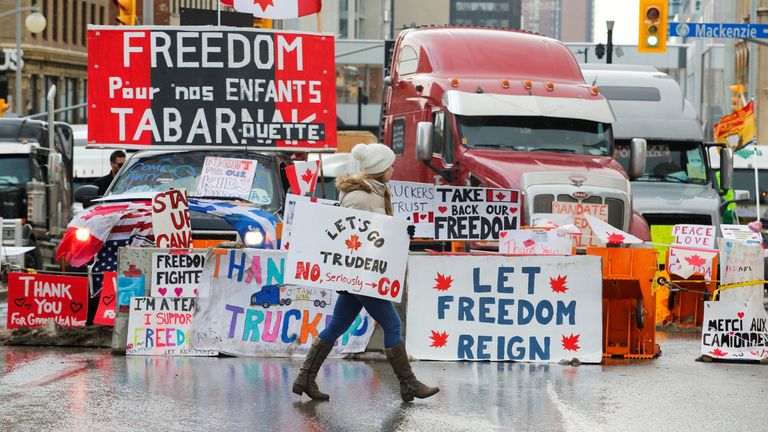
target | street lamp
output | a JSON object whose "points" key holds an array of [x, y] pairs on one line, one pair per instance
{"points": [[609, 48], [35, 23]]}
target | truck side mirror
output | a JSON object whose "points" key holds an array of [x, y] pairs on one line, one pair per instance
{"points": [[86, 193], [638, 153], [726, 170], [424, 141]]}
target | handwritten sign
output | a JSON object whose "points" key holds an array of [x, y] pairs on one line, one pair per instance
{"points": [[33, 299], [578, 210], [735, 330], [740, 233], [741, 262], [170, 219], [226, 177], [535, 242], [469, 213], [160, 326], [345, 249], [496, 308], [252, 313], [414, 203], [176, 275], [697, 236], [290, 208], [685, 262], [105, 313], [199, 86]]}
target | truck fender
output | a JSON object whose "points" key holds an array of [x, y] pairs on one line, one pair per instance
{"points": [[638, 227]]}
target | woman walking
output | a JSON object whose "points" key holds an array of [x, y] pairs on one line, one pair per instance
{"points": [[367, 191]]}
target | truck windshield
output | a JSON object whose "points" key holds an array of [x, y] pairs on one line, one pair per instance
{"points": [[161, 172], [14, 170], [545, 134], [669, 161]]}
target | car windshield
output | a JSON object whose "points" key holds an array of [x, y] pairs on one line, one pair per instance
{"points": [[14, 170], [532, 134], [669, 161], [158, 173]]}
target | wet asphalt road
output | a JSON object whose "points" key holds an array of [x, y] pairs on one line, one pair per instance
{"points": [[89, 390]]}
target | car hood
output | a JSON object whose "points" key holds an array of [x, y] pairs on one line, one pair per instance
{"points": [[504, 168], [663, 197]]}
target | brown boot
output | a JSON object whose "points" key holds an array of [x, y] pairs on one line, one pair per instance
{"points": [[305, 382], [410, 387]]}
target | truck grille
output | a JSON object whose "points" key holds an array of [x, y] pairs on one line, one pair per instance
{"points": [[674, 219], [543, 204]]}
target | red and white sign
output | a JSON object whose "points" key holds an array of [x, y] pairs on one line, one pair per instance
{"points": [[473, 213], [170, 219], [735, 330], [191, 86], [606, 233], [695, 236], [276, 9], [579, 210], [33, 299], [105, 313], [535, 242], [685, 262], [302, 176]]}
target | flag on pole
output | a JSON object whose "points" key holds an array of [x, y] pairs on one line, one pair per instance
{"points": [[608, 234], [741, 123], [302, 176], [276, 9]]}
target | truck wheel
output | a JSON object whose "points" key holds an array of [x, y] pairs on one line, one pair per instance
{"points": [[317, 303], [639, 316], [265, 304], [288, 302], [322, 303], [282, 302]]}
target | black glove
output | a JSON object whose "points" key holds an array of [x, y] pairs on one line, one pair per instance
{"points": [[411, 230]]}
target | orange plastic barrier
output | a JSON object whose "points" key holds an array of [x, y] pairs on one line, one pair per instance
{"points": [[629, 306], [686, 306]]}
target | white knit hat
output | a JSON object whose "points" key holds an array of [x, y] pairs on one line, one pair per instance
{"points": [[373, 158]]}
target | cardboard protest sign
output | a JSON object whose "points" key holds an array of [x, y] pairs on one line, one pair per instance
{"points": [[685, 262], [176, 274], [105, 313], [350, 250], [695, 236], [735, 330], [498, 308], [607, 233], [741, 233], [290, 209], [415, 203], [251, 313], [470, 213], [170, 219], [578, 211], [535, 242], [160, 326], [741, 262], [191, 86], [33, 299], [226, 177]]}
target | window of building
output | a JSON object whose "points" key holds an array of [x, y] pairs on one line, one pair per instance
{"points": [[102, 18], [407, 61], [65, 27], [82, 98], [83, 24], [53, 22], [343, 21], [69, 98], [33, 88]]}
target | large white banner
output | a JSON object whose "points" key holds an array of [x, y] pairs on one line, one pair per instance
{"points": [[251, 312], [349, 250], [532, 309], [414, 203], [735, 330]]}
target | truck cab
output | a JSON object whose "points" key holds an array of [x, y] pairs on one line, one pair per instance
{"points": [[505, 109], [677, 186]]}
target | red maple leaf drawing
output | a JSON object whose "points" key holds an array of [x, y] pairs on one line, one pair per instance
{"points": [[353, 243], [695, 260], [307, 176], [614, 238], [263, 4], [718, 353], [499, 196], [558, 284], [571, 343], [439, 339], [443, 282]]}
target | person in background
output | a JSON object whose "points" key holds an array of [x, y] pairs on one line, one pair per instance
{"points": [[367, 191], [116, 160]]}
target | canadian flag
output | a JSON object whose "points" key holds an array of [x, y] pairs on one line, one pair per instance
{"points": [[302, 176], [423, 217], [690, 261], [275, 9], [608, 234], [501, 195]]}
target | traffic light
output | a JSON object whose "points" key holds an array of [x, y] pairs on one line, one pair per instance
{"points": [[262, 23], [652, 34], [3, 107], [126, 10], [737, 100]]}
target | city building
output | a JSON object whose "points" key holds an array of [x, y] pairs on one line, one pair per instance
{"points": [[547, 17]]}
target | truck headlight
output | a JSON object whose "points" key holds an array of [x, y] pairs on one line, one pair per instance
{"points": [[253, 238], [83, 234]]}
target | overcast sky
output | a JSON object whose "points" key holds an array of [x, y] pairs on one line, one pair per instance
{"points": [[625, 15]]}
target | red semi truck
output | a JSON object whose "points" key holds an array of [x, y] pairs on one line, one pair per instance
{"points": [[506, 109]]}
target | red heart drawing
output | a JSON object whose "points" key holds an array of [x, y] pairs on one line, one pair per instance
{"points": [[27, 306], [513, 210], [529, 243], [731, 333], [107, 300], [740, 314], [442, 209], [19, 302], [178, 291], [162, 291], [422, 216], [75, 307], [503, 234], [195, 291]]}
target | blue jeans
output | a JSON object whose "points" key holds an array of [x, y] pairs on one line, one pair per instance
{"points": [[349, 305]]}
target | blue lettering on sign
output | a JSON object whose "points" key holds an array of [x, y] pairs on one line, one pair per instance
{"points": [[718, 30], [514, 348]]}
